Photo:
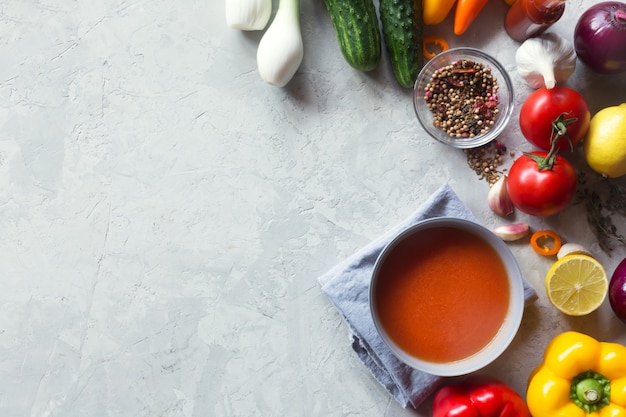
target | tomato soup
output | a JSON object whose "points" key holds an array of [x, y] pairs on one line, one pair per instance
{"points": [[442, 294]]}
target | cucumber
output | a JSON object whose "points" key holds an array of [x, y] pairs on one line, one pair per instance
{"points": [[403, 33], [358, 33]]}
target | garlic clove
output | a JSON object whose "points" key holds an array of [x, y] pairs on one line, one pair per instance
{"points": [[498, 198], [512, 232], [572, 249]]}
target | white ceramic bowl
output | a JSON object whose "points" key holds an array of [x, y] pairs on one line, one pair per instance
{"points": [[509, 326], [505, 96]]}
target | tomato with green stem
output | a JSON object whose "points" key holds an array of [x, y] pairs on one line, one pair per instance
{"points": [[559, 114], [541, 184]]}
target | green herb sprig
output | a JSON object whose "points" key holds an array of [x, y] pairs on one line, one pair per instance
{"points": [[600, 211]]}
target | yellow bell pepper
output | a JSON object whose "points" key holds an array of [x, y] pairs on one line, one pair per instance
{"points": [[579, 377], [436, 11]]}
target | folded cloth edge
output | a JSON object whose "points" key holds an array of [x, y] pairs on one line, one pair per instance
{"points": [[347, 286]]}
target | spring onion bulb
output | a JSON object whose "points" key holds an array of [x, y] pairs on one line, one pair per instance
{"points": [[248, 14], [281, 49]]}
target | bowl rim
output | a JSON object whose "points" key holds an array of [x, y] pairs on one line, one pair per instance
{"points": [[509, 327], [503, 118]]}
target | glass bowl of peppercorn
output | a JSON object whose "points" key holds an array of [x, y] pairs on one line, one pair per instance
{"points": [[463, 97]]}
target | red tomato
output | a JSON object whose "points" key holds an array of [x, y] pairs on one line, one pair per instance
{"points": [[545, 106], [541, 192]]}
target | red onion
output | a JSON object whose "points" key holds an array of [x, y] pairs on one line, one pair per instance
{"points": [[617, 291], [600, 37]]}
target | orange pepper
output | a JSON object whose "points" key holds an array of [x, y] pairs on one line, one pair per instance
{"points": [[466, 12], [545, 242], [435, 11], [436, 41]]}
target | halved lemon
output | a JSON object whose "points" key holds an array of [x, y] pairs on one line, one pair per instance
{"points": [[577, 284]]}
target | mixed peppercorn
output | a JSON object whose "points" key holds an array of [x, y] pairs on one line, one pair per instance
{"points": [[463, 98]]}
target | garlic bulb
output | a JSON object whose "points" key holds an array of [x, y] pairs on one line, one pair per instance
{"points": [[546, 60], [281, 48], [248, 14]]}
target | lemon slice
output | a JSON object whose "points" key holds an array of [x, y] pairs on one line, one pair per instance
{"points": [[577, 284]]}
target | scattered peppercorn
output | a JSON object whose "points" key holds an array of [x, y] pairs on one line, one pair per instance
{"points": [[486, 160], [463, 98]]}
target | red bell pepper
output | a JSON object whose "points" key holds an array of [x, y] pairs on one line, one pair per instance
{"points": [[479, 396]]}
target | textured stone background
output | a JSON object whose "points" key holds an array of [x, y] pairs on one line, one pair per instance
{"points": [[165, 214]]}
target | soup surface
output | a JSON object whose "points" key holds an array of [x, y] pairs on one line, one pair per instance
{"points": [[444, 296]]}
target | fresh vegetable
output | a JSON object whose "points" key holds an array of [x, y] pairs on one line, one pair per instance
{"points": [[403, 35], [512, 232], [248, 14], [436, 41], [435, 11], [577, 285], [545, 60], [617, 291], [541, 184], [545, 242], [465, 14], [559, 114], [358, 33], [605, 145], [600, 37], [478, 396], [281, 50], [498, 198], [579, 377]]}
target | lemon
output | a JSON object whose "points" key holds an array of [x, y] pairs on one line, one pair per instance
{"points": [[577, 284], [605, 144]]}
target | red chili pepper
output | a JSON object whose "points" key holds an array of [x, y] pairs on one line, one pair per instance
{"points": [[479, 396]]}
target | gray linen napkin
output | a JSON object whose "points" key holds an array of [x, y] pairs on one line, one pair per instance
{"points": [[347, 285]]}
